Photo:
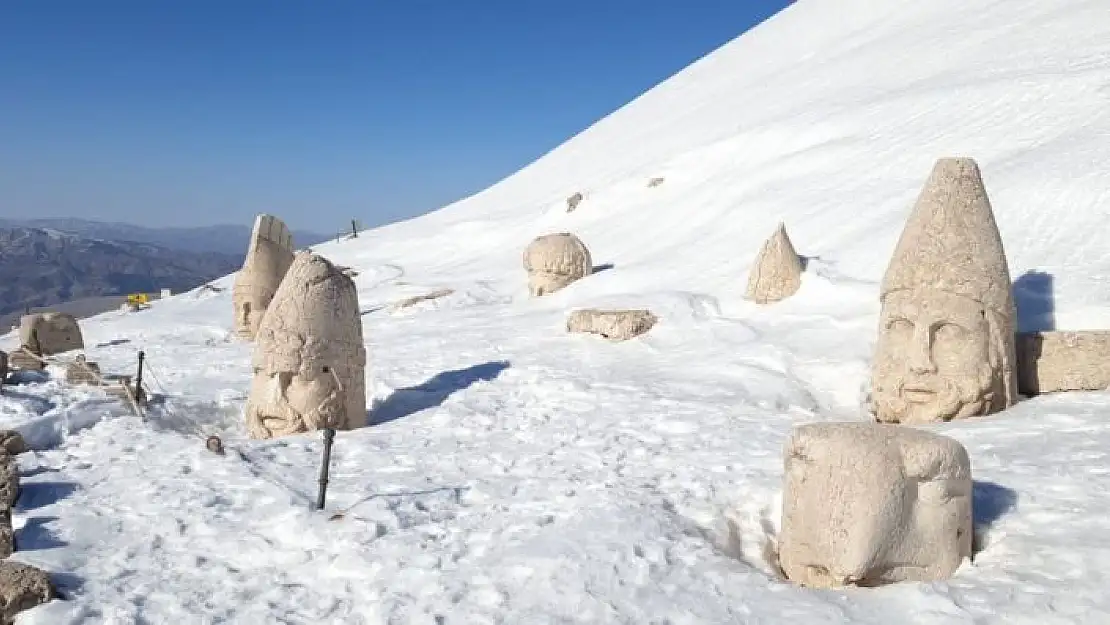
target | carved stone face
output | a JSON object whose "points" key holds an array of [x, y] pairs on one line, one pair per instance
{"points": [[935, 359], [293, 388], [309, 358]]}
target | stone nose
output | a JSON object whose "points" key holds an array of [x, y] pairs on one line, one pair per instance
{"points": [[919, 356]]}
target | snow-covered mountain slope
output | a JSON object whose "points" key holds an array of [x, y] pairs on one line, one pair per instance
{"points": [[517, 474]]}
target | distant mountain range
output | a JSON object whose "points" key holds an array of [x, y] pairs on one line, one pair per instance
{"points": [[225, 239], [91, 266]]}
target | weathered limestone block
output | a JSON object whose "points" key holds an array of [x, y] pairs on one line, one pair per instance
{"points": [[573, 201], [50, 333], [777, 271], [1050, 362], [12, 442], [22, 358], [81, 371], [867, 504], [615, 325], [22, 587], [555, 260], [309, 358], [945, 348], [268, 258]]}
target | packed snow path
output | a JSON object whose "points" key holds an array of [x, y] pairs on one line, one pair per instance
{"points": [[520, 475]]}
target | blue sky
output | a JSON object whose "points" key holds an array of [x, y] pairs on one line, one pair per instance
{"points": [[209, 111]]}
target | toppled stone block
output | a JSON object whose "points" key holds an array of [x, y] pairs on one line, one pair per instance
{"points": [[49, 333], [868, 504], [1050, 362], [269, 255], [945, 348], [615, 325], [22, 587], [573, 201], [12, 442], [777, 271], [553, 261], [24, 359], [80, 371]]}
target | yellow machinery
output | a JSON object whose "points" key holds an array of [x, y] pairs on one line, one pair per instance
{"points": [[138, 299]]}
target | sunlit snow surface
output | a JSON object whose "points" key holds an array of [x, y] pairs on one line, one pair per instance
{"points": [[517, 474]]}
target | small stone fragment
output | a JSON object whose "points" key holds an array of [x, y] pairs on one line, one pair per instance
{"points": [[777, 271], [615, 325]]}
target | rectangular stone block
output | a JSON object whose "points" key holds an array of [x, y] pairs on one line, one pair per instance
{"points": [[1050, 362]]}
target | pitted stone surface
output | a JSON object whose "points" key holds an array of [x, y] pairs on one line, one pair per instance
{"points": [[268, 258], [1050, 362], [945, 348], [777, 271], [309, 358], [615, 325], [868, 504], [50, 333], [553, 261]]}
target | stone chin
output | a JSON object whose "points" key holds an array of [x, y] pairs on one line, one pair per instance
{"points": [[918, 399]]}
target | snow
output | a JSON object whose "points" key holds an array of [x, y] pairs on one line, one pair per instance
{"points": [[518, 474]]}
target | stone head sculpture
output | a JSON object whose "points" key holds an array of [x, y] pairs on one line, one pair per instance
{"points": [[868, 504], [945, 348], [554, 261], [309, 358], [268, 258]]}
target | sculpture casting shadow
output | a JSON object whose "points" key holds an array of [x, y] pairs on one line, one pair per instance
{"points": [[432, 392], [601, 267], [1035, 302], [989, 502], [35, 536], [35, 495]]}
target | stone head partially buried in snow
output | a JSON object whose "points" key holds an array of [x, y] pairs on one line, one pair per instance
{"points": [[309, 357], [945, 348], [269, 255]]}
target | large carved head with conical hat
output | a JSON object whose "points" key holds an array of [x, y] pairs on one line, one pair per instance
{"points": [[946, 331], [269, 255], [309, 357]]}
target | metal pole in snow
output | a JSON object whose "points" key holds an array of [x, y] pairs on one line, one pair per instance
{"points": [[139, 378], [329, 436]]}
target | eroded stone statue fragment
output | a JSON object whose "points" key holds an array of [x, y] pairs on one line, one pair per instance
{"points": [[945, 347], [309, 358], [868, 504], [1050, 362], [268, 258], [22, 587], [615, 325], [555, 260], [50, 333], [777, 271]]}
